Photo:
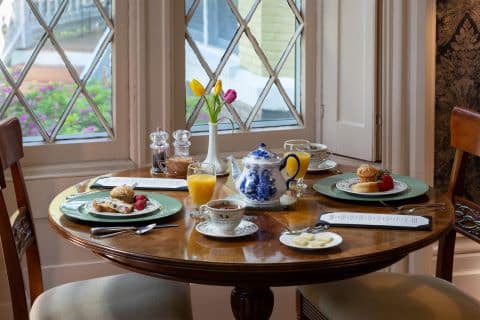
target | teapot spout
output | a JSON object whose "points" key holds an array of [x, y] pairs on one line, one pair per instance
{"points": [[235, 171]]}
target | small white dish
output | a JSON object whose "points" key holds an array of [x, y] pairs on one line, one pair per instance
{"points": [[152, 206], [322, 166], [245, 228], [346, 186], [287, 239]]}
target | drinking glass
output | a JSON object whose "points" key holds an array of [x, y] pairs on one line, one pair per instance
{"points": [[201, 181], [301, 148]]}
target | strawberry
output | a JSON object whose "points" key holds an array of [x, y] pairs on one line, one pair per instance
{"points": [[140, 197], [140, 204], [386, 183]]}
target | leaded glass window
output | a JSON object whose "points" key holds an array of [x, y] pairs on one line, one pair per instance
{"points": [[56, 67], [254, 47]]}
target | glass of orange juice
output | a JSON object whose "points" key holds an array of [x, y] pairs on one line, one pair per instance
{"points": [[201, 182], [301, 148]]}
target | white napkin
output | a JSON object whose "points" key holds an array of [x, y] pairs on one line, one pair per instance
{"points": [[143, 183]]}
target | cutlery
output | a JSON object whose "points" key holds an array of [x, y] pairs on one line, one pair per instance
{"points": [[407, 207], [317, 229], [108, 230], [73, 195], [139, 231]]}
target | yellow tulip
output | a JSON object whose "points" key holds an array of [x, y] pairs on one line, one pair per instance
{"points": [[217, 88], [197, 88]]}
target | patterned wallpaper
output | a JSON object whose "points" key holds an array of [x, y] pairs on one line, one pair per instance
{"points": [[457, 82]]}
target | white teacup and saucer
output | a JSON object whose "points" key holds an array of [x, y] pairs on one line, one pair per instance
{"points": [[319, 160], [225, 219]]}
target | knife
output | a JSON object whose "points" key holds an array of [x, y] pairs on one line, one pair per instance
{"points": [[104, 230]]}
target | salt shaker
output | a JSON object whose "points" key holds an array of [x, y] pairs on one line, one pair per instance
{"points": [[160, 152]]}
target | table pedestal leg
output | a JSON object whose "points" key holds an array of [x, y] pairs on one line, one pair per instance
{"points": [[252, 303]]}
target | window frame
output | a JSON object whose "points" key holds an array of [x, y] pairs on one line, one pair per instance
{"points": [[273, 137], [102, 149]]}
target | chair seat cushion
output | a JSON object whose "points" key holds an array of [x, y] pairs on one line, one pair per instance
{"points": [[384, 295], [126, 296]]}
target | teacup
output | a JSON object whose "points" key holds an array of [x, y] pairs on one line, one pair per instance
{"points": [[224, 214], [319, 153]]}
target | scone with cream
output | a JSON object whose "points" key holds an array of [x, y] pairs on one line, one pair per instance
{"points": [[123, 193], [364, 187], [367, 173], [112, 205]]}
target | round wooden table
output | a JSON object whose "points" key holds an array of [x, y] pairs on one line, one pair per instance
{"points": [[255, 263]]}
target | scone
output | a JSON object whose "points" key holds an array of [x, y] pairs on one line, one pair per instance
{"points": [[123, 193], [367, 173], [365, 187]]}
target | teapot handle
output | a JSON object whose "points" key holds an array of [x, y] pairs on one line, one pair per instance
{"points": [[284, 164]]}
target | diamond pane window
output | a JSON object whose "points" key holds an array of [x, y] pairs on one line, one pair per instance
{"points": [[56, 68], [253, 46]]}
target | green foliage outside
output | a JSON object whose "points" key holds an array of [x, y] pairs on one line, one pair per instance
{"points": [[49, 101]]}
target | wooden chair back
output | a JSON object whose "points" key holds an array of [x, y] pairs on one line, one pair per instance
{"points": [[465, 138], [17, 232]]}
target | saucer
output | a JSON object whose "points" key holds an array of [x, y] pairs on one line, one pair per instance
{"points": [[285, 201], [245, 228], [325, 165]]}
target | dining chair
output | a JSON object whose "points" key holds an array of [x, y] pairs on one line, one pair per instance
{"points": [[125, 296], [385, 295], [465, 138]]}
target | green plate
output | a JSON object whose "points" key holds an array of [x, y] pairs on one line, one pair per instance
{"points": [[73, 209], [327, 187]]}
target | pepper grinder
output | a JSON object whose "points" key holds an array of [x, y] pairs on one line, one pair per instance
{"points": [[182, 143], [160, 152]]}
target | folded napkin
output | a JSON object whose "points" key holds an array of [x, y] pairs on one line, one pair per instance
{"points": [[377, 220], [140, 183]]}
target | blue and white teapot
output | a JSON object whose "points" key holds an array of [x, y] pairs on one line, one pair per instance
{"points": [[261, 182]]}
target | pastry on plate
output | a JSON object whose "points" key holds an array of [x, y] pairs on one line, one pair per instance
{"points": [[365, 187], [371, 179], [367, 173], [112, 205], [123, 193]]}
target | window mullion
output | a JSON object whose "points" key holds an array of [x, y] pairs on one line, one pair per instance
{"points": [[229, 50], [99, 114], [259, 103], [32, 114], [98, 53], [295, 10], [197, 52], [21, 99], [288, 49], [191, 11], [65, 113], [289, 103], [104, 15]]}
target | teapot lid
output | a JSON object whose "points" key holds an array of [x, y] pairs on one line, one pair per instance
{"points": [[261, 154]]}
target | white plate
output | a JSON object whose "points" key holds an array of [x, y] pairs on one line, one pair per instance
{"points": [[287, 239], [152, 206], [322, 166], [245, 228], [346, 185]]}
